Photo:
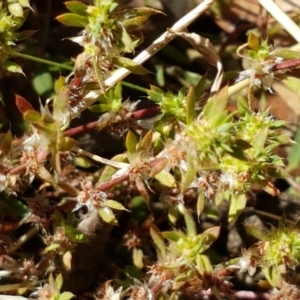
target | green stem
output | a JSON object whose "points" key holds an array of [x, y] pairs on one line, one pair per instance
{"points": [[134, 87], [41, 60]]}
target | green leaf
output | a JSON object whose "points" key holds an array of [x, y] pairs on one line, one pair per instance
{"points": [[127, 42], [294, 154], [253, 41], [243, 107], [77, 7], [9, 205], [67, 260], [259, 234], [66, 296], [171, 235], [12, 67], [187, 178], [130, 65], [109, 171], [71, 19], [16, 9], [285, 54], [145, 143], [260, 139], [189, 221], [114, 205], [137, 256], [237, 205], [212, 234], [58, 282], [158, 240], [216, 106], [108, 217], [292, 83], [6, 144], [117, 91], [43, 83], [190, 105], [157, 168], [134, 22], [131, 142], [142, 11], [273, 275], [83, 162], [66, 144], [200, 203], [59, 84], [203, 263], [165, 178], [51, 247], [24, 3]]}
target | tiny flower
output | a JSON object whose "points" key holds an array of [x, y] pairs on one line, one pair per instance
{"points": [[90, 196]]}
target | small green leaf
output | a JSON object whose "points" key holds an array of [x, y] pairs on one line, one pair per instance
{"points": [[66, 296], [71, 19], [52, 247], [260, 139], [212, 234], [292, 83], [117, 91], [67, 260], [59, 84], [285, 54], [158, 240], [171, 235], [203, 263], [294, 154], [253, 41], [12, 206], [114, 205], [66, 144], [58, 282], [165, 178], [108, 217], [134, 22], [187, 178], [216, 106], [189, 221], [83, 162], [32, 116], [243, 106], [237, 205], [131, 142], [200, 203], [77, 7], [146, 142], [12, 67], [24, 3], [109, 171], [190, 105], [143, 11], [6, 143], [43, 83], [130, 65], [16, 9], [137, 256], [259, 234]]}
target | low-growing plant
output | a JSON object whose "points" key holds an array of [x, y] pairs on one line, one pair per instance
{"points": [[182, 159]]}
